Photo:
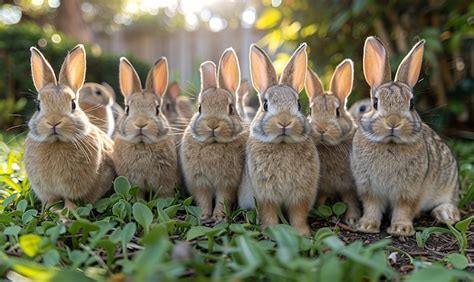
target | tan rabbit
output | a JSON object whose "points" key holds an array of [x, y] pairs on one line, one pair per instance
{"points": [[96, 101], [282, 163], [184, 107], [359, 108], [66, 157], [144, 150], [212, 149], [169, 103], [246, 112], [399, 163], [333, 129], [117, 111]]}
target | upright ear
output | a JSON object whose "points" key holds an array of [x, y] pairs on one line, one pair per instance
{"points": [[41, 70], [376, 65], [157, 79], [128, 78], [173, 90], [409, 69], [73, 70], [208, 75], [313, 84], [243, 88], [342, 79], [261, 70], [229, 71], [294, 74]]}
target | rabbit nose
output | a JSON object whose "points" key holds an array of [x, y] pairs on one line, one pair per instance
{"points": [[322, 130], [141, 125], [285, 124], [393, 121], [212, 125], [54, 125]]}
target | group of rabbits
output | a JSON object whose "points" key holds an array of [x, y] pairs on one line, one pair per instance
{"points": [[381, 158]]}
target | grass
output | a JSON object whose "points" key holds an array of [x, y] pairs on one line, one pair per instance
{"points": [[122, 237]]}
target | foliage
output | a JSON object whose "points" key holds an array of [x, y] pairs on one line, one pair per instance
{"points": [[124, 237], [335, 30], [17, 93]]}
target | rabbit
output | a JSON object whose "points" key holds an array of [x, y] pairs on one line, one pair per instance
{"points": [[213, 145], [144, 150], [359, 108], [398, 161], [117, 111], [333, 130], [246, 112], [184, 107], [96, 101], [282, 162], [66, 156], [169, 103]]}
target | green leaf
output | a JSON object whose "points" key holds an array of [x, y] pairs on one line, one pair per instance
{"points": [[268, 19], [21, 205], [51, 258], [28, 215], [143, 215], [188, 201], [122, 186], [339, 208], [457, 260], [30, 244], [12, 230], [463, 225], [197, 231], [324, 211]]}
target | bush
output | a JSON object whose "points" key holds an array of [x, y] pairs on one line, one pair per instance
{"points": [[17, 92]]}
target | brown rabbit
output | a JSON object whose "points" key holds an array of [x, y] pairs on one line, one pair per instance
{"points": [[66, 157], [144, 152], [398, 161], [212, 149], [246, 112], [359, 108], [96, 101], [282, 163], [333, 129]]}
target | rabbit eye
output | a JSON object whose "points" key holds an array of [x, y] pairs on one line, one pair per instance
{"points": [[73, 104], [98, 93], [338, 113], [231, 109], [376, 102], [127, 108], [265, 105], [38, 107], [362, 109], [158, 110], [412, 104], [199, 109], [168, 106], [299, 105]]}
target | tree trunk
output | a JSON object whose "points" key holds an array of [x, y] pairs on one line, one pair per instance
{"points": [[69, 20]]}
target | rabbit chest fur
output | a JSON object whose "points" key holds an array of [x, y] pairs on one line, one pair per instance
{"points": [[71, 171], [216, 165], [150, 166], [283, 173]]}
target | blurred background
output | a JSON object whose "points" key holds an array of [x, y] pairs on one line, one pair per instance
{"points": [[189, 32]]}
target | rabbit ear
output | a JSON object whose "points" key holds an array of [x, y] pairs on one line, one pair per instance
{"points": [[208, 75], [342, 79], [294, 74], [409, 69], [261, 70], [376, 65], [314, 86], [157, 79], [73, 70], [41, 70], [173, 90], [128, 78], [243, 88], [229, 71]]}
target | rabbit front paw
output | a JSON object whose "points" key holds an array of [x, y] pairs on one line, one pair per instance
{"points": [[446, 213], [402, 229], [368, 226]]}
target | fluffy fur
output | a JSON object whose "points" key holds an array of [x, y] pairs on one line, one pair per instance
{"points": [[333, 129], [246, 112], [144, 151], [212, 149], [398, 161], [66, 157], [282, 163], [96, 101], [359, 108]]}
